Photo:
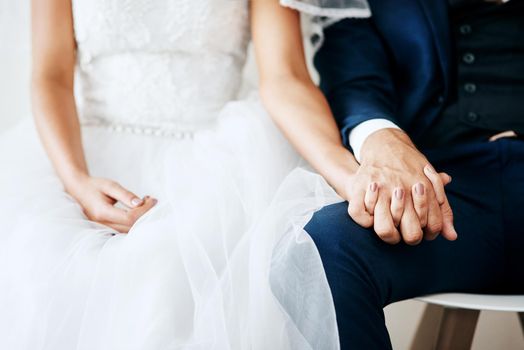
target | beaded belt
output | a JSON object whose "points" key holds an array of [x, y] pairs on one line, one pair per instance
{"points": [[157, 131]]}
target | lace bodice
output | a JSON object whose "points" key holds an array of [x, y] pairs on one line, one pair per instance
{"points": [[158, 64]]}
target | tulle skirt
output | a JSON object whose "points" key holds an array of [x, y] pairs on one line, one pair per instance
{"points": [[222, 262]]}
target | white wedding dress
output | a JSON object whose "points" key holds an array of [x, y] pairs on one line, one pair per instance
{"points": [[222, 262]]}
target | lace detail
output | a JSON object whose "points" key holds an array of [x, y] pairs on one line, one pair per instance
{"points": [[340, 9], [323, 13], [158, 63]]}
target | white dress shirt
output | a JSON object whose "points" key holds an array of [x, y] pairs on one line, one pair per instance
{"points": [[359, 134]]}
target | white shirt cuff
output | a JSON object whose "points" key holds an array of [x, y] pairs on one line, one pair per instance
{"points": [[359, 134]]}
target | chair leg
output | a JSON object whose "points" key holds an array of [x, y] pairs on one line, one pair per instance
{"points": [[521, 318], [457, 329], [428, 328]]}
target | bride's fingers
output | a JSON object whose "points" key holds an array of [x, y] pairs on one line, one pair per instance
{"points": [[136, 213], [107, 213], [118, 228], [116, 191], [397, 205], [120, 218], [420, 202], [437, 182], [357, 210], [371, 197], [446, 179]]}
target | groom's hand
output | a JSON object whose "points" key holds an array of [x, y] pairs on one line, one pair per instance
{"points": [[398, 192]]}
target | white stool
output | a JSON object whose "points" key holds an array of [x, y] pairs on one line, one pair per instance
{"points": [[449, 320]]}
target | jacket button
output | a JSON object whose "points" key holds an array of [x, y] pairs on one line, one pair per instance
{"points": [[473, 117], [468, 58], [470, 88], [465, 29]]}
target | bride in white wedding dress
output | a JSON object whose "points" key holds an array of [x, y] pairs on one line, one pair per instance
{"points": [[215, 256]]}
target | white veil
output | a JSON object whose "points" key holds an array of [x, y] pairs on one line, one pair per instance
{"points": [[331, 8]]}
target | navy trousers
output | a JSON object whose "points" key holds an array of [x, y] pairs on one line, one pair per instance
{"points": [[366, 274]]}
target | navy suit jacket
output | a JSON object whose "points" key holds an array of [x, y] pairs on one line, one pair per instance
{"points": [[394, 65]]}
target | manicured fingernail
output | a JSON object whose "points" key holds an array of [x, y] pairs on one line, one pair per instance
{"points": [[419, 189], [135, 202], [373, 187], [155, 201], [399, 193]]}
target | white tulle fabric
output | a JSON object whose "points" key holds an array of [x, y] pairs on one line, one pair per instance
{"points": [[222, 262], [331, 8], [323, 13]]}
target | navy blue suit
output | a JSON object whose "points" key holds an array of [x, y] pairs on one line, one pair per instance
{"points": [[396, 65]]}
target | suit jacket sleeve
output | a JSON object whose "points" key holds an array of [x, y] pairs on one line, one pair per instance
{"points": [[355, 69]]}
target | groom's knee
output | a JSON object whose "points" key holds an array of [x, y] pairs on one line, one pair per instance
{"points": [[333, 230], [348, 252], [340, 240]]}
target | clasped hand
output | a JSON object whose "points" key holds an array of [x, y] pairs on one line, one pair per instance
{"points": [[398, 193]]}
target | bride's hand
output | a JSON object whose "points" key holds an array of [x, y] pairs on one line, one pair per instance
{"points": [[98, 197], [398, 192]]}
